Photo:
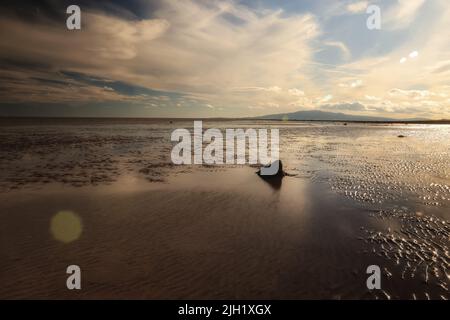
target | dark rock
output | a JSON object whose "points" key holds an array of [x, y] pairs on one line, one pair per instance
{"points": [[279, 173], [274, 180]]}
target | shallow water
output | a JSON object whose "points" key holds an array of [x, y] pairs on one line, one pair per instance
{"points": [[356, 195]]}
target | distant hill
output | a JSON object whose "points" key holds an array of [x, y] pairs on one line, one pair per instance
{"points": [[315, 115]]}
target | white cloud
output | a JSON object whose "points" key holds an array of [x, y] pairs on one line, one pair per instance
{"points": [[413, 54], [415, 94], [352, 84], [341, 46], [357, 7], [296, 92], [372, 98], [401, 14], [326, 98], [356, 83]]}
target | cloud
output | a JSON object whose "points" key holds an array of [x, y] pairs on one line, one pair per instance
{"points": [[372, 98], [413, 54], [353, 84], [24, 86], [443, 66], [325, 98], [296, 92], [196, 47], [417, 79], [274, 89], [341, 46], [415, 94], [357, 7], [227, 54], [401, 14]]}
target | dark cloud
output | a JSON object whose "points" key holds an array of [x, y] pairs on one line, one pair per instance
{"points": [[118, 86], [91, 109], [47, 11], [22, 64]]}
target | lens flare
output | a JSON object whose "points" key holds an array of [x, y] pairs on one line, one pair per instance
{"points": [[66, 226]]}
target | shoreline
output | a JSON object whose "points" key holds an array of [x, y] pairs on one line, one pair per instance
{"points": [[144, 120]]}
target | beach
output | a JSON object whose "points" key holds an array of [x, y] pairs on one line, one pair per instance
{"points": [[356, 195]]}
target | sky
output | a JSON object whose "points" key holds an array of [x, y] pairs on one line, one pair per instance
{"points": [[208, 58]]}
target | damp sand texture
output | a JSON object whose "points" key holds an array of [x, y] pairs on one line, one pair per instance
{"points": [[104, 195]]}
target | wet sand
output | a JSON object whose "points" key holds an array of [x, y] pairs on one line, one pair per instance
{"points": [[151, 230], [230, 236]]}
